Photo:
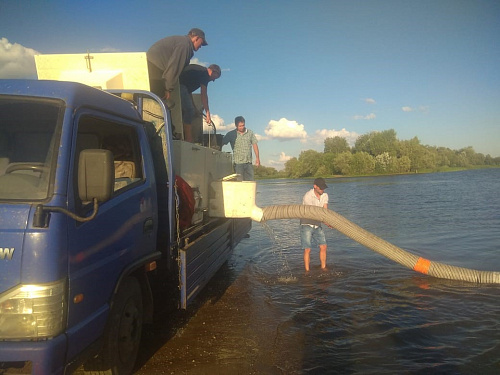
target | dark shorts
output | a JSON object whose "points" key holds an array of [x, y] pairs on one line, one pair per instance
{"points": [[187, 105]]}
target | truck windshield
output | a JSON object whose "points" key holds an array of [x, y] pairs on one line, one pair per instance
{"points": [[28, 146]]}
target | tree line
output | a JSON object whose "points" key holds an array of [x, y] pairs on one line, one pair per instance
{"points": [[376, 153]]}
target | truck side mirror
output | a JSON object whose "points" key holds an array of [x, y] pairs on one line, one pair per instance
{"points": [[96, 176]]}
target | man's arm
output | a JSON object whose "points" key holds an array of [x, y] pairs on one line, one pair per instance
{"points": [[256, 150], [326, 206], [227, 138], [178, 61], [204, 101]]}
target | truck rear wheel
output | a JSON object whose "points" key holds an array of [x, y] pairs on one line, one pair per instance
{"points": [[123, 335]]}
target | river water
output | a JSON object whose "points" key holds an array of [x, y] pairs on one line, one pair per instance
{"points": [[263, 314]]}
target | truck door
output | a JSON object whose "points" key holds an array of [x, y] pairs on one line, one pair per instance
{"points": [[124, 230]]}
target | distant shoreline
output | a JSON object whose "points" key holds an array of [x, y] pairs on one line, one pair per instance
{"points": [[423, 171]]}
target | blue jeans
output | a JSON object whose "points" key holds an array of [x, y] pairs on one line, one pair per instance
{"points": [[308, 233], [245, 170]]}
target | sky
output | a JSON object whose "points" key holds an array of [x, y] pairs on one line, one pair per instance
{"points": [[301, 71]]}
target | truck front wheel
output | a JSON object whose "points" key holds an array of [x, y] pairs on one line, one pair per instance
{"points": [[123, 335]]}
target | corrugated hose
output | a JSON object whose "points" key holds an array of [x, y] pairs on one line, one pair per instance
{"points": [[377, 244]]}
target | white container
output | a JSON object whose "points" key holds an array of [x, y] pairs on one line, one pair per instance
{"points": [[234, 199]]}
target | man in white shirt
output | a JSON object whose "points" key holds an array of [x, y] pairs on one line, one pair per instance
{"points": [[311, 229]]}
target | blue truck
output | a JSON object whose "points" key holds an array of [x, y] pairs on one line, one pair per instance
{"points": [[93, 224]]}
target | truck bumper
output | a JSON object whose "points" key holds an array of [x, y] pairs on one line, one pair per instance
{"points": [[41, 357]]}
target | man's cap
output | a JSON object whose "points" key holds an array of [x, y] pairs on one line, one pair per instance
{"points": [[198, 32], [215, 68], [319, 182]]}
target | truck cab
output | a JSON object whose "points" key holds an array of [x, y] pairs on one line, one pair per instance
{"points": [[58, 273]]}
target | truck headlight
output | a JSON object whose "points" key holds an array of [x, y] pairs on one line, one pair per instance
{"points": [[33, 311]]}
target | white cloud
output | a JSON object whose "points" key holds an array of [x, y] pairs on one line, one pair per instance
{"points": [[370, 101], [221, 127], [422, 108], [109, 50], [371, 116], [280, 163], [260, 137], [320, 136], [16, 61], [283, 157], [219, 123], [284, 130], [196, 61]]}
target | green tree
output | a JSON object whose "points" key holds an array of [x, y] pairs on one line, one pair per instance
{"points": [[362, 163], [403, 164], [413, 150], [310, 161], [429, 158], [329, 163], [292, 168], [379, 152], [443, 156], [479, 159], [376, 143], [383, 163], [265, 172], [336, 145], [363, 143], [472, 157], [342, 163], [488, 160], [322, 171]]}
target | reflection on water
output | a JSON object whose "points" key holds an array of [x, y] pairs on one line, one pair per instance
{"points": [[264, 315]]}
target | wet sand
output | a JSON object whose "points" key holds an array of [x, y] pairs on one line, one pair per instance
{"points": [[231, 331]]}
